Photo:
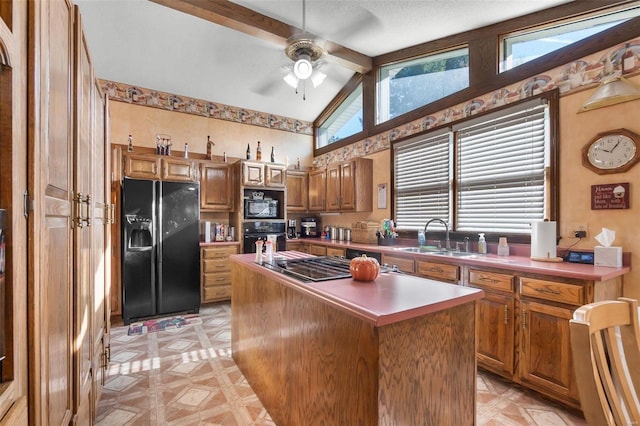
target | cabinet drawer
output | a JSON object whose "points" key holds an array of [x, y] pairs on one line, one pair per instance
{"points": [[552, 290], [223, 278], [491, 280], [215, 266], [404, 265], [317, 250], [336, 252], [218, 252], [439, 271], [216, 293]]}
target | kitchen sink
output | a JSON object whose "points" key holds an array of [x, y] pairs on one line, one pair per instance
{"points": [[426, 250]]}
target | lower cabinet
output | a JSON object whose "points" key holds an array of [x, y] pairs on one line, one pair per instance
{"points": [[408, 266], [545, 356], [300, 246], [439, 271], [317, 250], [495, 316], [523, 327], [335, 252], [215, 270]]}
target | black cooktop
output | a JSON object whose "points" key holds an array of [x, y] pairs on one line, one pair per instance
{"points": [[313, 269]]}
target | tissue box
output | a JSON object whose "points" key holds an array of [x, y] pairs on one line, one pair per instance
{"points": [[607, 256]]}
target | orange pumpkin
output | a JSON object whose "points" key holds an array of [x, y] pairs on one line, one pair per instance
{"points": [[364, 268]]}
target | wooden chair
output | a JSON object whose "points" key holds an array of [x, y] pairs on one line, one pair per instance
{"points": [[605, 342]]}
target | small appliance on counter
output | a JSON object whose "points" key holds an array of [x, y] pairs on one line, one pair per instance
{"points": [[291, 228], [309, 226]]}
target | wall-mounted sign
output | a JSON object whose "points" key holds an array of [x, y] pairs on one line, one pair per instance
{"points": [[610, 196]]}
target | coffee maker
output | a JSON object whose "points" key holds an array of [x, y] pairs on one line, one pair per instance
{"points": [[309, 227], [291, 228]]}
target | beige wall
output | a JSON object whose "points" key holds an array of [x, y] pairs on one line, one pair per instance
{"points": [[575, 180], [143, 123]]}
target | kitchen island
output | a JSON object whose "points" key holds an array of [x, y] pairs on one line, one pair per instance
{"points": [[400, 350]]}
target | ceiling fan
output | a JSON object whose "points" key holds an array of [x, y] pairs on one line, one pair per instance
{"points": [[307, 52]]}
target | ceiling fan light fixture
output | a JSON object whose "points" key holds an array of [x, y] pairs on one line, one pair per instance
{"points": [[303, 67], [317, 78], [291, 79]]}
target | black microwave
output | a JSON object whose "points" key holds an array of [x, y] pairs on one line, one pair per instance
{"points": [[260, 209]]}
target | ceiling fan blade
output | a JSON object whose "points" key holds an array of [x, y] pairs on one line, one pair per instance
{"points": [[365, 23], [271, 84]]}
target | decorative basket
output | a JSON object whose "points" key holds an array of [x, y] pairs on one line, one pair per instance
{"points": [[364, 232]]}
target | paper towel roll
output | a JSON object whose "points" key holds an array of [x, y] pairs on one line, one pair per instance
{"points": [[543, 240]]}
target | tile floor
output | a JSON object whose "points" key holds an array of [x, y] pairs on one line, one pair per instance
{"points": [[186, 376]]}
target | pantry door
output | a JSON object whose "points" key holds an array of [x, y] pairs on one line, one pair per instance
{"points": [[50, 224]]}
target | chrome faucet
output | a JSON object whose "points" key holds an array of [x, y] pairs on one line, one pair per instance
{"points": [[446, 228]]}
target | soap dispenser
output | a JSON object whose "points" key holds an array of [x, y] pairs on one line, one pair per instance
{"points": [[482, 244]]}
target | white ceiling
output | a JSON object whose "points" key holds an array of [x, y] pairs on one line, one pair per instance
{"points": [[145, 44]]}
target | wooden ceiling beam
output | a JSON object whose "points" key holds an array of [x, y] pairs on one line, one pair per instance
{"points": [[240, 18]]}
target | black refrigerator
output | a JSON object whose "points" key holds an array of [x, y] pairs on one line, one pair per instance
{"points": [[160, 248]]}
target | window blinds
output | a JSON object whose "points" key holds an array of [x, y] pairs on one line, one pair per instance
{"points": [[422, 180], [500, 172]]}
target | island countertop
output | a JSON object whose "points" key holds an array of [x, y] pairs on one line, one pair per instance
{"points": [[391, 298]]}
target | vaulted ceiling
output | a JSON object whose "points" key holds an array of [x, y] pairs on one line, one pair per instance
{"points": [[233, 52]]}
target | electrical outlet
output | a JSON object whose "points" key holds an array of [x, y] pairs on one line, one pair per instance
{"points": [[579, 230]]}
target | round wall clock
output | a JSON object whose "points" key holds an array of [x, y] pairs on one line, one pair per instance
{"points": [[613, 151]]}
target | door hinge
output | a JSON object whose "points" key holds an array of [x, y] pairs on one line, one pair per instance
{"points": [[27, 204]]}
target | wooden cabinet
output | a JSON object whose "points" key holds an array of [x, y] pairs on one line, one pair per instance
{"points": [[215, 271], [69, 258], [350, 186], [217, 187], [297, 191], [408, 266], [252, 173], [523, 326], [317, 189], [140, 166], [298, 245], [495, 316], [178, 169], [335, 252], [439, 271], [317, 250], [545, 348], [257, 174], [275, 175], [157, 167]]}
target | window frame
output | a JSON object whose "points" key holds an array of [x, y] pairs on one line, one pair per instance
{"points": [[551, 175], [382, 84], [483, 62], [341, 108], [576, 21]]}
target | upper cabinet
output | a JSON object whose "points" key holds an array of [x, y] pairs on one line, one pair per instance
{"points": [[259, 174], [350, 186], [317, 189], [179, 169], [297, 191], [151, 166], [217, 186], [140, 166]]}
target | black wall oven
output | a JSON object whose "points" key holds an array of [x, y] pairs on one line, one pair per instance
{"points": [[259, 230]]}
